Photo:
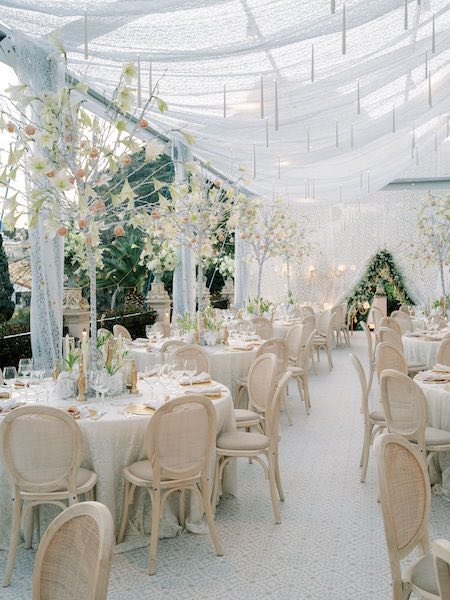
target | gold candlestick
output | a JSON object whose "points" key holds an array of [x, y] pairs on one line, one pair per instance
{"points": [[134, 389], [56, 370], [225, 335], [81, 385]]}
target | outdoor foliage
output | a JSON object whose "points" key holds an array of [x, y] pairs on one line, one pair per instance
{"points": [[6, 287]]}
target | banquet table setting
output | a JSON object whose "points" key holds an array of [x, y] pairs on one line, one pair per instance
{"points": [[422, 346]]}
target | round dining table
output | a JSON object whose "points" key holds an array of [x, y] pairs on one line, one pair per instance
{"points": [[422, 348], [113, 438], [227, 363]]}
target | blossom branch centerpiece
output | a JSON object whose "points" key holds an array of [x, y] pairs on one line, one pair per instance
{"points": [[76, 165]]}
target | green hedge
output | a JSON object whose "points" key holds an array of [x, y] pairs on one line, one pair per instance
{"points": [[12, 349]]}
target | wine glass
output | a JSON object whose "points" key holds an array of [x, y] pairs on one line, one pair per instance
{"points": [[190, 368], [178, 370], [99, 383], [25, 365], [149, 332], [10, 376]]}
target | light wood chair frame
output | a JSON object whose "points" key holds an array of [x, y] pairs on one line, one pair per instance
{"points": [[121, 330], [325, 339], [192, 351], [104, 521], [267, 457], [23, 502], [441, 559], [160, 489], [402, 587]]}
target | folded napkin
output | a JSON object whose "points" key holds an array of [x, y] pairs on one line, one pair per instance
{"points": [[416, 333], [240, 345], [9, 405], [438, 368], [213, 390], [5, 394], [199, 378], [252, 337], [138, 342], [430, 376]]}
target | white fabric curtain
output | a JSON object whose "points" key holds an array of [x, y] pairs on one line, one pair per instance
{"points": [[37, 66], [184, 273]]}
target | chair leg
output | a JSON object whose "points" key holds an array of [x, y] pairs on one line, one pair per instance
{"points": [[313, 362], [28, 529], [210, 519], [155, 495], [125, 507], [330, 358], [365, 451], [278, 480], [14, 540], [181, 511], [286, 410], [215, 490], [273, 490]]}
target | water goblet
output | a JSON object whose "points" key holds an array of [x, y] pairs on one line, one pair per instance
{"points": [[25, 365], [190, 368]]}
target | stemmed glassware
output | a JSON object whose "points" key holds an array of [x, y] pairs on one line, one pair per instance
{"points": [[25, 365], [10, 376], [190, 368], [149, 332], [99, 383]]}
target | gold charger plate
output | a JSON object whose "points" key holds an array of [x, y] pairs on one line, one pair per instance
{"points": [[194, 383], [139, 409]]}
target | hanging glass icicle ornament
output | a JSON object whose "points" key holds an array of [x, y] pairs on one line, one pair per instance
{"points": [[361, 179], [426, 64], [405, 24], [337, 134], [358, 99], [139, 82], [433, 35], [279, 168], [150, 79], [224, 100], [313, 189], [86, 43], [417, 155], [368, 182], [275, 83], [312, 63], [351, 137], [344, 32], [254, 160], [261, 96], [307, 139], [267, 132], [333, 7], [448, 126], [413, 142], [435, 142], [393, 118], [430, 99]]}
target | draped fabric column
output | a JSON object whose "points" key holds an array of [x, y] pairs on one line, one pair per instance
{"points": [[184, 273], [38, 66]]}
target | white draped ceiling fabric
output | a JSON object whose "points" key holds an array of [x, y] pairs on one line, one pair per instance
{"points": [[240, 73], [323, 101]]}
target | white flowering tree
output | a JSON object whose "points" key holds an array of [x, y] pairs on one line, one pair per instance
{"points": [[274, 234], [433, 243], [69, 157], [198, 214], [292, 246]]}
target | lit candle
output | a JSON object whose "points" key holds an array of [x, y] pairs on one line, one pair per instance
{"points": [[254, 160], [344, 34], [275, 83], [150, 79], [84, 350], [261, 96], [139, 86], [66, 346], [224, 101], [85, 34], [312, 62], [267, 132]]}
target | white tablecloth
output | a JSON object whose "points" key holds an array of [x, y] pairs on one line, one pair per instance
{"points": [[420, 350], [438, 401], [227, 365], [281, 328], [113, 442]]}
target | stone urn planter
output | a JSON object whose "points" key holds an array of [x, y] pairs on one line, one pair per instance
{"points": [[75, 311]]}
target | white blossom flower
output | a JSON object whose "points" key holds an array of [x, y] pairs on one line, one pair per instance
{"points": [[153, 150]]}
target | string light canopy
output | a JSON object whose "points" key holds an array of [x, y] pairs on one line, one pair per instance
{"points": [[326, 101]]}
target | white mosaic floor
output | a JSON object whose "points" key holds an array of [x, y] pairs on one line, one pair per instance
{"points": [[330, 545]]}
